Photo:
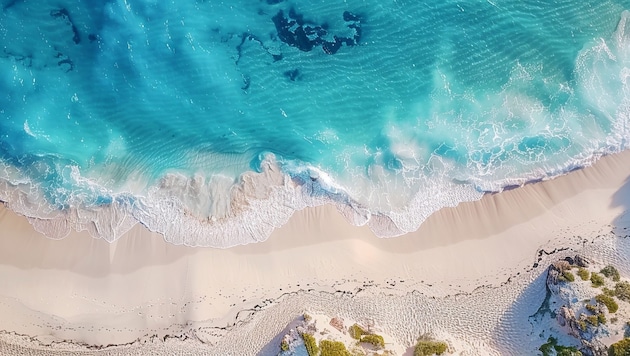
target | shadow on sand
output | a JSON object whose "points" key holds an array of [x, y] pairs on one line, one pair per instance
{"points": [[621, 198], [515, 335]]}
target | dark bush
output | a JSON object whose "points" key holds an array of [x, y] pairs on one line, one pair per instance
{"points": [[356, 331], [429, 347], [333, 348], [584, 274], [621, 348], [311, 344], [608, 301], [622, 291], [376, 340], [611, 272], [567, 276], [597, 280]]}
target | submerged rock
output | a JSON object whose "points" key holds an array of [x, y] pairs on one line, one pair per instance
{"points": [[293, 30]]}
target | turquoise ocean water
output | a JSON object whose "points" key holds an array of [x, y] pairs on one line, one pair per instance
{"points": [[212, 121]]}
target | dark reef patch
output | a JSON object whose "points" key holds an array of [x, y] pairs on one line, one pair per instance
{"points": [[296, 32], [293, 75], [10, 4], [94, 38], [247, 81], [64, 62], [65, 15]]}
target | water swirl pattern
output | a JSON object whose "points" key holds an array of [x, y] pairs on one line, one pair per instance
{"points": [[212, 122]]}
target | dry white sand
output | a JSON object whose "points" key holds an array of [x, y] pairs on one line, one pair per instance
{"points": [[90, 291]]}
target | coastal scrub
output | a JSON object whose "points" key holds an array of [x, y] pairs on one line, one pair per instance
{"points": [[622, 291], [621, 348], [356, 332], [611, 272], [333, 348], [608, 301], [429, 347], [568, 276], [311, 344], [597, 280], [548, 349], [375, 340], [584, 274]]}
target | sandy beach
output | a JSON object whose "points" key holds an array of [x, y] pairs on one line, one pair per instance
{"points": [[89, 292]]}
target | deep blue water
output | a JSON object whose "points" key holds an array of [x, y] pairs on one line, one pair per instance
{"points": [[395, 108]]}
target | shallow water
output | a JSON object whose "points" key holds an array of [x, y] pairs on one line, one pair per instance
{"points": [[144, 111]]}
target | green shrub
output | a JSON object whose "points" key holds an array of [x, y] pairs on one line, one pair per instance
{"points": [[560, 350], [593, 320], [592, 308], [622, 291], [356, 331], [567, 276], [611, 272], [311, 344], [429, 347], [608, 301], [376, 340], [597, 280], [547, 348], [583, 273], [333, 348], [284, 345], [567, 351], [621, 348], [601, 318], [582, 325], [608, 292]]}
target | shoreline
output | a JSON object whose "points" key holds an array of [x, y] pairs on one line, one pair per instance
{"points": [[78, 288]]}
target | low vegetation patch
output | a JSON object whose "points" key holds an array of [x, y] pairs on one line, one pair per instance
{"points": [[311, 344], [375, 340], [560, 350], [567, 276], [611, 272], [594, 309], [593, 320], [284, 345], [597, 280], [584, 274], [622, 291], [430, 347], [582, 324], [621, 348], [608, 292], [356, 331], [333, 348], [608, 301]]}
